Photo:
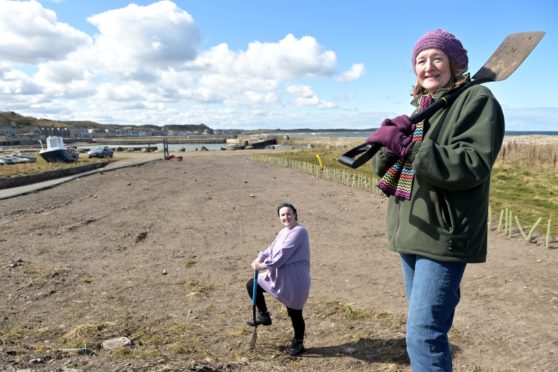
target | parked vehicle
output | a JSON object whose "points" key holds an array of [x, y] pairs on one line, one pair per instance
{"points": [[101, 152]]}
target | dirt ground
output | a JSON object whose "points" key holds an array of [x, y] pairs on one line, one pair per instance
{"points": [[160, 254]]}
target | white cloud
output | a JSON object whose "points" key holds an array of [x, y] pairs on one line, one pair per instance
{"points": [[15, 82], [300, 90], [252, 76], [269, 98], [327, 105], [124, 92], [305, 96], [356, 72], [287, 59], [159, 35], [31, 34], [78, 66]]}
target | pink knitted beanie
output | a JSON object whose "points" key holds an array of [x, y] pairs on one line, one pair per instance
{"points": [[446, 42]]}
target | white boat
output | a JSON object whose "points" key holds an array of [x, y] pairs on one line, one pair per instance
{"points": [[56, 151]]}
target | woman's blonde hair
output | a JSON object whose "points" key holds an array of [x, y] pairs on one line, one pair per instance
{"points": [[458, 78]]}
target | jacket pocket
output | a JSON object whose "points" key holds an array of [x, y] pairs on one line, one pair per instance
{"points": [[456, 241], [446, 212]]}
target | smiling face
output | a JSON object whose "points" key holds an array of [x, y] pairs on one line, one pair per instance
{"points": [[287, 217], [433, 69]]}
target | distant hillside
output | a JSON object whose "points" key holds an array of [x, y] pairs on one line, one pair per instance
{"points": [[27, 124]]}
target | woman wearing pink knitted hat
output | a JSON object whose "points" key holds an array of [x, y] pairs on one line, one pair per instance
{"points": [[437, 176]]}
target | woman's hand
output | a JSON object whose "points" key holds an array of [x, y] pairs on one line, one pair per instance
{"points": [[255, 265], [395, 135], [402, 122]]}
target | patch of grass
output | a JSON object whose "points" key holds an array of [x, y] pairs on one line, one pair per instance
{"points": [[122, 353], [84, 336], [354, 314], [42, 272], [164, 334], [390, 320], [381, 315], [11, 335], [190, 262], [171, 338], [44, 333], [85, 280], [40, 166], [477, 369], [239, 330], [530, 194], [22, 336], [41, 347], [343, 310], [198, 288]]}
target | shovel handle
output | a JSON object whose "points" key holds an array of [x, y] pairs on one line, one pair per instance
{"points": [[359, 155], [254, 288], [445, 101]]}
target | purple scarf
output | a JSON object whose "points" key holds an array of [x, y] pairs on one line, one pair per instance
{"points": [[398, 180]]}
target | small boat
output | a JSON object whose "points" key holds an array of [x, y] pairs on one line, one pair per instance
{"points": [[24, 157], [6, 159], [17, 158], [56, 151]]}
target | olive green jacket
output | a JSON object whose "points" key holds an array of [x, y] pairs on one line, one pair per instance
{"points": [[446, 218]]}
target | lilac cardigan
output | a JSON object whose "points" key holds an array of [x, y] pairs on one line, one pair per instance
{"points": [[287, 260]]}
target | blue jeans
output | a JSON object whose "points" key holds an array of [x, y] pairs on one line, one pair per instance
{"points": [[432, 290]]}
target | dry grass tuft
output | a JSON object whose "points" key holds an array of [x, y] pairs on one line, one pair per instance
{"points": [[198, 289], [524, 155], [88, 336], [166, 339]]}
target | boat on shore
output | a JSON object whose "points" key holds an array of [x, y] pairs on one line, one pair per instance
{"points": [[17, 158], [57, 152]]}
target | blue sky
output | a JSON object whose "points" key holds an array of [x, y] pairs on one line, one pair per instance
{"points": [[256, 64]]}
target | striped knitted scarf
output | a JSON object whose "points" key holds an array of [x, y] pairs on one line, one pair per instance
{"points": [[398, 180]]}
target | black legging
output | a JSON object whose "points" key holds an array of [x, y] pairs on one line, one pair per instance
{"points": [[297, 320]]}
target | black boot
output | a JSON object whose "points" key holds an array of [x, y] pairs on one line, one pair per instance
{"points": [[262, 318], [297, 348]]}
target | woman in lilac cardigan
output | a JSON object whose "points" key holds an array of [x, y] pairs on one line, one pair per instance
{"points": [[287, 279]]}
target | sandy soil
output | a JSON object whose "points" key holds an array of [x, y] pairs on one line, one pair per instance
{"points": [[160, 254]]}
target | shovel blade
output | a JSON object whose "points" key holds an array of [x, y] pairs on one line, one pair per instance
{"points": [[254, 338], [509, 56]]}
